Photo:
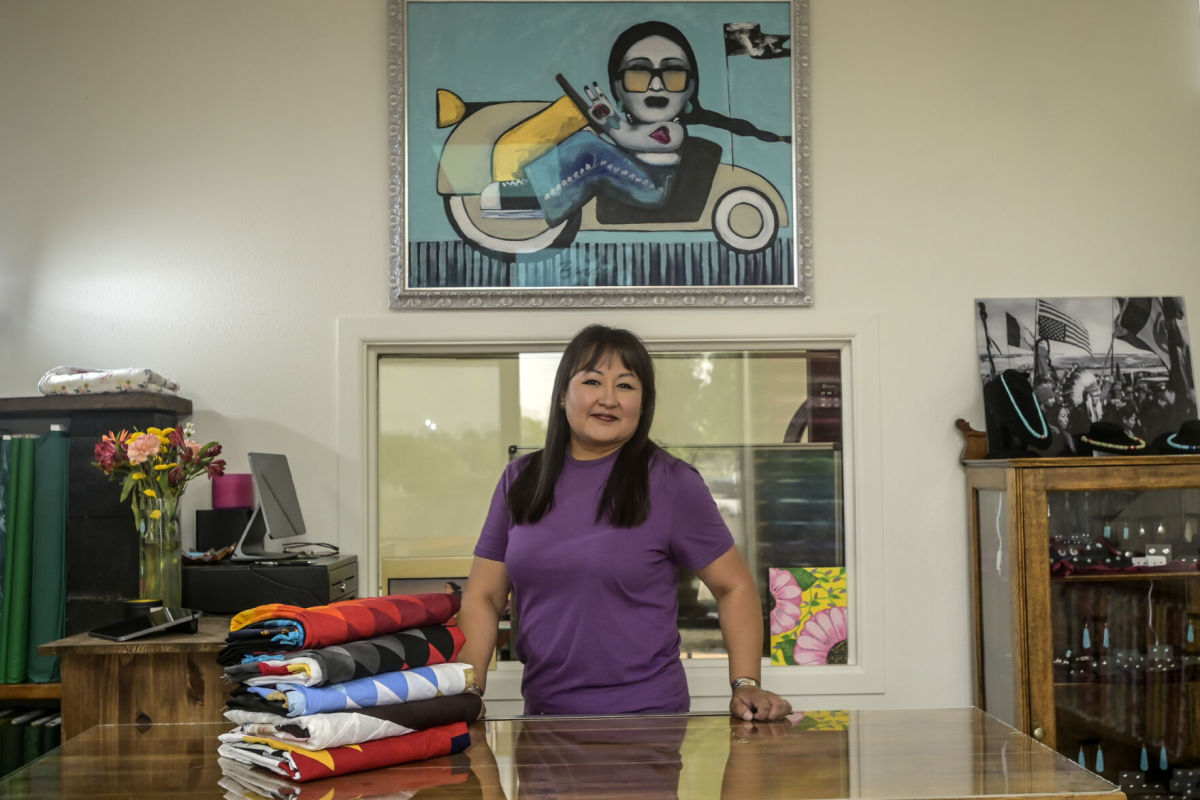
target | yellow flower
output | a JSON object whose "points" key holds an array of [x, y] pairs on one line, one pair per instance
{"points": [[156, 514], [138, 476], [161, 467], [155, 431], [149, 493]]}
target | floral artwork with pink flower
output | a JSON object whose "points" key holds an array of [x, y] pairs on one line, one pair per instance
{"points": [[786, 595], [823, 638], [808, 622]]}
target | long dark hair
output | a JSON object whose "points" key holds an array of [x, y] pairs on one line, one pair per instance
{"points": [[626, 497], [695, 113]]}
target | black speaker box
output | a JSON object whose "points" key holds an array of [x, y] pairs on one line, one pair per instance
{"points": [[230, 587]]}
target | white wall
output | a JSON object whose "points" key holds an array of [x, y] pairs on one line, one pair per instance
{"points": [[200, 186]]}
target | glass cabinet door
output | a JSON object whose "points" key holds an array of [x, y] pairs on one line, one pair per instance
{"points": [[1125, 634], [1000, 681]]}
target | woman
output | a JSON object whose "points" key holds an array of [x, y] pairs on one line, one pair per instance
{"points": [[590, 532]]}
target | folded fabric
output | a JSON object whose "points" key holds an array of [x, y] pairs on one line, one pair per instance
{"points": [[242, 781], [86, 380], [338, 728], [389, 688], [415, 647], [299, 764], [277, 627]]}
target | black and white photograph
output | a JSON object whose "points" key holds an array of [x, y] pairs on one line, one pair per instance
{"points": [[1069, 376]]}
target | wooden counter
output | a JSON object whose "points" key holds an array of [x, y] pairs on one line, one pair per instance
{"points": [[169, 678], [882, 755]]}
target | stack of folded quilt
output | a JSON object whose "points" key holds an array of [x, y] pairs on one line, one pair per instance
{"points": [[350, 686], [242, 782]]}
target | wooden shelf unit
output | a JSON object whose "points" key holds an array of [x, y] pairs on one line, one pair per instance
{"points": [[1028, 624], [102, 569]]}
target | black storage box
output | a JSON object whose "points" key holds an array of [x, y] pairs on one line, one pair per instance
{"points": [[230, 587]]}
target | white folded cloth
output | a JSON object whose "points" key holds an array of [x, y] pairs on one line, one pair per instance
{"points": [[87, 380]]}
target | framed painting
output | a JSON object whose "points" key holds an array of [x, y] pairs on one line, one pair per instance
{"points": [[1075, 376], [559, 154], [808, 620]]}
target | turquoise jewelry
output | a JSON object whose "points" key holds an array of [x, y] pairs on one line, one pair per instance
{"points": [[1191, 448], [1021, 416]]}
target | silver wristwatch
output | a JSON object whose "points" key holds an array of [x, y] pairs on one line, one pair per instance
{"points": [[740, 682]]}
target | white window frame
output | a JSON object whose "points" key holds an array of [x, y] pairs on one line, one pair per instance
{"points": [[362, 340]]}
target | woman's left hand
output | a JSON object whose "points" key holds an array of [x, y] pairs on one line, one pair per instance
{"points": [[755, 702]]}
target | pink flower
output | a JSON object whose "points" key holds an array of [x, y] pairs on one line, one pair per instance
{"points": [[786, 593], [142, 448], [823, 638], [194, 449]]}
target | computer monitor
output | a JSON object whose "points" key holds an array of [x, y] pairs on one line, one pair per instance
{"points": [[277, 514]]}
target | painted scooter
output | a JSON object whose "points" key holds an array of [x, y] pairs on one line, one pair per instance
{"points": [[742, 208]]}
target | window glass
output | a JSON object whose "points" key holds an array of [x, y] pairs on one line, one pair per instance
{"points": [[763, 427]]}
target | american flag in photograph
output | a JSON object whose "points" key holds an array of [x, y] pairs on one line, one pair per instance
{"points": [[1054, 324]]}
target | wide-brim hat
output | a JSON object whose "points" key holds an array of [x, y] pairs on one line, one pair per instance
{"points": [[1185, 441], [1109, 438]]}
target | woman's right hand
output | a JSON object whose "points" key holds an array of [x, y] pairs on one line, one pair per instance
{"points": [[599, 109]]}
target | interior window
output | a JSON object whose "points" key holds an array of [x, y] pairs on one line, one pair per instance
{"points": [[763, 427]]}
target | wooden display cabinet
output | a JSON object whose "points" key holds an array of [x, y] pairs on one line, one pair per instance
{"points": [[1086, 617]]}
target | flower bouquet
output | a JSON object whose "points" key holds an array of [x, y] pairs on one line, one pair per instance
{"points": [[154, 467]]}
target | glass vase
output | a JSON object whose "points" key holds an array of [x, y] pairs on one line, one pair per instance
{"points": [[160, 575]]}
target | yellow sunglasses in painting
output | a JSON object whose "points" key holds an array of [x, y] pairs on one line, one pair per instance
{"points": [[637, 79]]}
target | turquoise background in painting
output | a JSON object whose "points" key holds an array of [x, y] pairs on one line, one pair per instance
{"points": [[496, 51]]}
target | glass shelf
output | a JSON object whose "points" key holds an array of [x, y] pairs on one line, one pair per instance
{"points": [[1125, 627]]}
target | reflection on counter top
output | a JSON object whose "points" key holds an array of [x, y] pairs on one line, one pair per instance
{"points": [[881, 755]]}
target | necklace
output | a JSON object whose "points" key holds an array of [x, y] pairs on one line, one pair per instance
{"points": [[1140, 443], [1045, 428], [1180, 446]]}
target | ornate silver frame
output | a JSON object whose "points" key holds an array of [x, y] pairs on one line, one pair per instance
{"points": [[798, 293]]}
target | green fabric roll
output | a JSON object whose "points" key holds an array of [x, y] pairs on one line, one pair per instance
{"points": [[48, 590], [11, 745], [14, 616], [31, 745], [5, 456], [51, 735]]}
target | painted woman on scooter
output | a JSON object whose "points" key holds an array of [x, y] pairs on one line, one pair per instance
{"points": [[653, 75]]}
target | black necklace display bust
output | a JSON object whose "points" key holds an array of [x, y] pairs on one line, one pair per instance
{"points": [[1016, 426]]}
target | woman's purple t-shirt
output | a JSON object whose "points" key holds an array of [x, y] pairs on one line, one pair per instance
{"points": [[597, 606]]}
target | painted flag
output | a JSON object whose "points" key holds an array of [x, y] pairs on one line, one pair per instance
{"points": [[747, 39], [1141, 323], [1054, 324]]}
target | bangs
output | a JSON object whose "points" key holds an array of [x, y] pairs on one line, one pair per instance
{"points": [[627, 349]]}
